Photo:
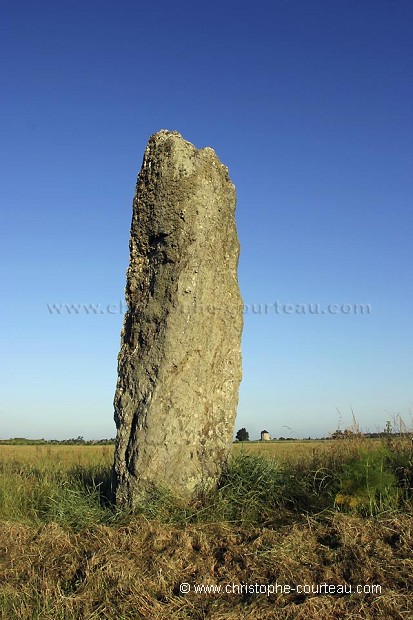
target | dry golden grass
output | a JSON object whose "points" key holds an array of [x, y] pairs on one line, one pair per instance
{"points": [[286, 450], [135, 571], [70, 455], [66, 456], [300, 450]]}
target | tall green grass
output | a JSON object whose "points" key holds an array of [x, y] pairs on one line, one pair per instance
{"points": [[72, 497], [256, 490]]}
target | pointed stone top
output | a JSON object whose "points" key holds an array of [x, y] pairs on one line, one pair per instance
{"points": [[181, 146]]}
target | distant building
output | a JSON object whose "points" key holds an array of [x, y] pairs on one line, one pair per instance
{"points": [[265, 436]]}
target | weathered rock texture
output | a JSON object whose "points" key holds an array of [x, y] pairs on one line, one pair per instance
{"points": [[179, 367]]}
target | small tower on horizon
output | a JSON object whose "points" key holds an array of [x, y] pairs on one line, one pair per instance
{"points": [[265, 436]]}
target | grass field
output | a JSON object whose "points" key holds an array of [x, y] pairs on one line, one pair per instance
{"points": [[70, 455], [298, 514], [57, 455]]}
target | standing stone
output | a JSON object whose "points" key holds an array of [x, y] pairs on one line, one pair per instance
{"points": [[179, 366]]}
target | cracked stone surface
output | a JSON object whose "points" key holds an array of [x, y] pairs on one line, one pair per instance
{"points": [[179, 367]]}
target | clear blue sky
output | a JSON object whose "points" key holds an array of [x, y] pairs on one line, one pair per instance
{"points": [[309, 104]]}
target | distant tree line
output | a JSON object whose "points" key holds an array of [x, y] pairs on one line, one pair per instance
{"points": [[243, 435], [75, 441]]}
